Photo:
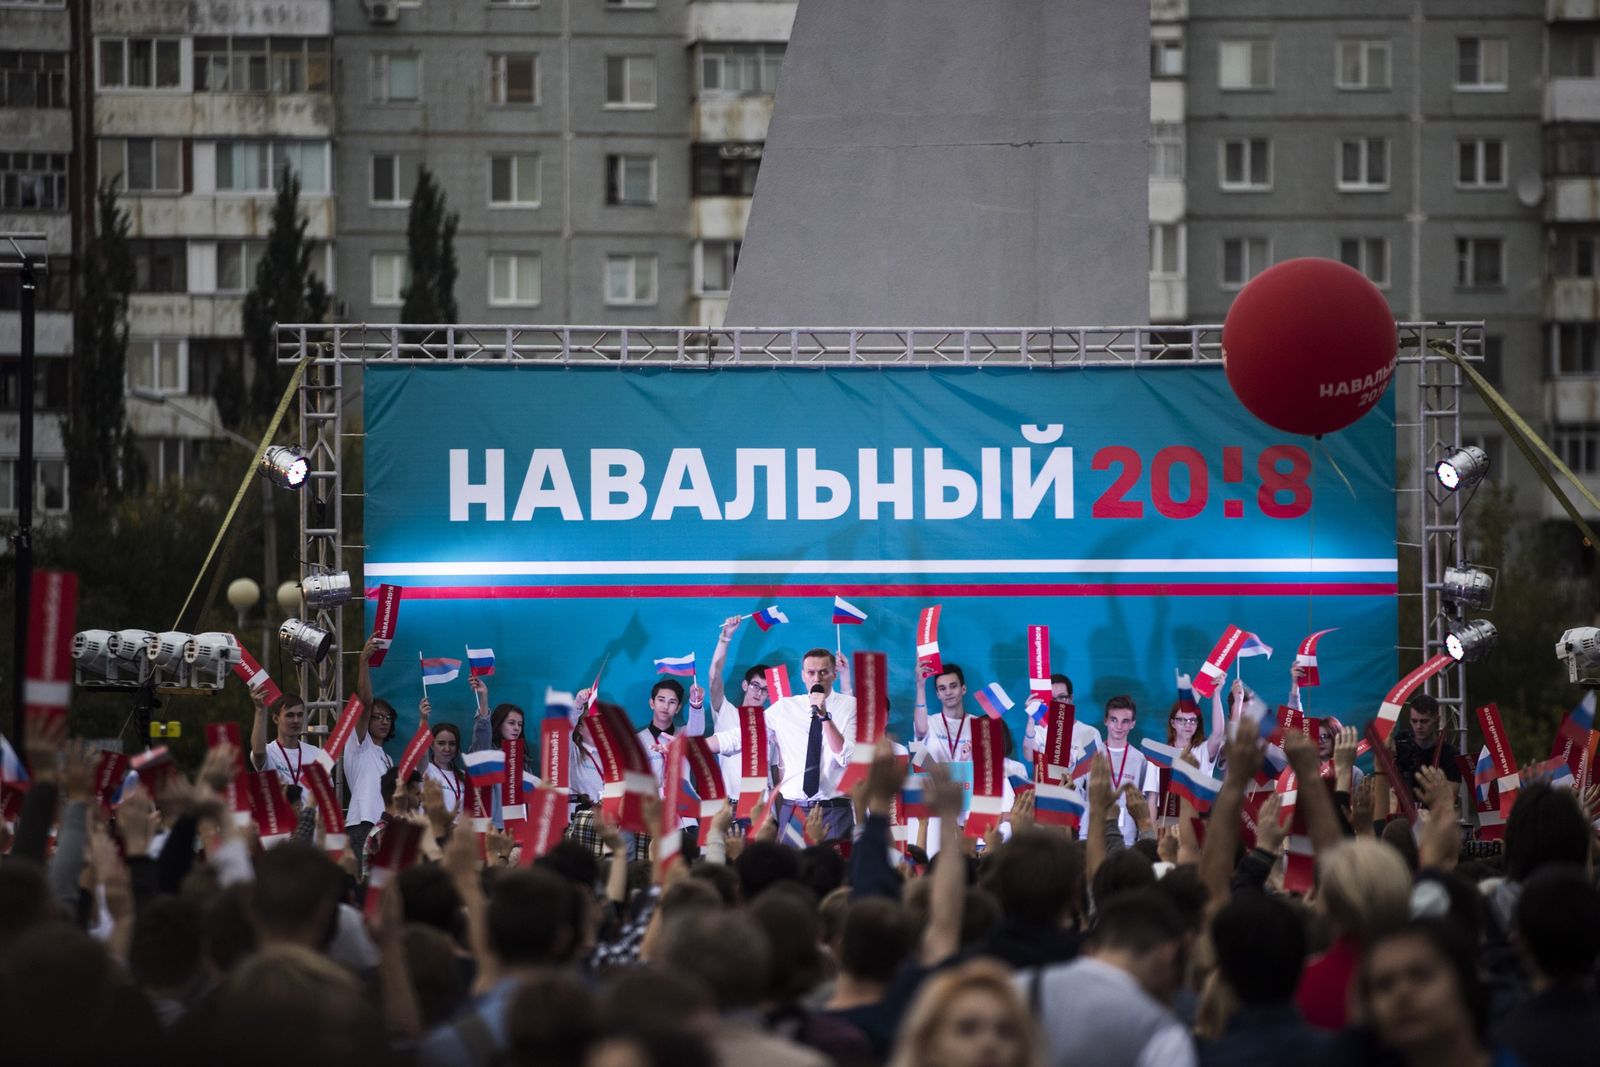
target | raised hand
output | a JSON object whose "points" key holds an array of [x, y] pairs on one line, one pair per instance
{"points": [[44, 742], [425, 708], [1138, 807], [885, 776], [433, 806], [1022, 810], [137, 821], [815, 834], [729, 625], [1244, 756], [1270, 830], [1101, 795], [481, 691], [1362, 803]]}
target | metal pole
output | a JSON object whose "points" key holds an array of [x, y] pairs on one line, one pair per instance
{"points": [[22, 540]]}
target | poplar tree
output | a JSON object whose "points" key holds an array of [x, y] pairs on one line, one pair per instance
{"points": [[286, 290], [431, 239], [95, 427]]}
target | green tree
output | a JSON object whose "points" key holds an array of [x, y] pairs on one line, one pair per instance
{"points": [[99, 459], [286, 290], [431, 239]]}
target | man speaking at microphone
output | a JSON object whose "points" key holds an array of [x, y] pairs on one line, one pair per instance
{"points": [[814, 733]]}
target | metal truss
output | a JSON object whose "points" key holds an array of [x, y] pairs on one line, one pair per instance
{"points": [[1432, 406]]}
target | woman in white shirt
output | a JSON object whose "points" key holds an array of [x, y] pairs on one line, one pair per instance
{"points": [[1183, 728], [441, 765]]}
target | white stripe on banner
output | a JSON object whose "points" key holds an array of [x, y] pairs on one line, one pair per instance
{"points": [[468, 568], [48, 694]]}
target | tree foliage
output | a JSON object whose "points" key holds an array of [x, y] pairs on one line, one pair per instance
{"points": [[431, 242], [95, 427], [286, 290]]}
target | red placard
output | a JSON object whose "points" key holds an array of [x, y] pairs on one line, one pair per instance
{"points": [[109, 771], [52, 612], [872, 714], [11, 798], [388, 618], [255, 676], [344, 727], [1039, 664], [555, 742], [705, 773], [1215, 668], [928, 638], [988, 777], [778, 684], [1059, 720], [669, 841], [415, 751], [546, 822], [1505, 764], [314, 777], [512, 806], [154, 767], [1306, 659], [1389, 710], [753, 769], [625, 768], [397, 848], [271, 809]]}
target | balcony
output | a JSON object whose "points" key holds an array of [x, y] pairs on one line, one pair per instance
{"points": [[214, 115], [731, 117], [1166, 100], [290, 18], [719, 218], [1572, 100], [1169, 300], [1573, 200], [740, 20], [177, 415], [708, 309], [1167, 201], [52, 332], [1170, 10], [1572, 400], [1571, 299], [1571, 10], [185, 315], [48, 442], [223, 215]]}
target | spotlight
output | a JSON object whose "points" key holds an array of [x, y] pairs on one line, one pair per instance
{"points": [[1463, 468], [304, 641], [211, 651], [1468, 587], [1579, 649], [166, 650], [130, 644], [326, 590], [1471, 641], [284, 467], [91, 650]]}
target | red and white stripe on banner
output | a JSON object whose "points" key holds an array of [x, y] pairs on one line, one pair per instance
{"points": [[237, 795], [872, 714], [269, 807], [1305, 658], [705, 774], [753, 768], [344, 727], [555, 743], [1506, 779], [255, 676], [625, 769], [109, 771], [396, 850], [1215, 669], [52, 613], [988, 776], [512, 805], [669, 839], [928, 638], [1389, 710], [388, 618], [479, 800], [317, 782], [546, 822], [1039, 663], [1059, 720]]}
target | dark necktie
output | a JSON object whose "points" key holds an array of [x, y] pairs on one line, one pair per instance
{"points": [[812, 781]]}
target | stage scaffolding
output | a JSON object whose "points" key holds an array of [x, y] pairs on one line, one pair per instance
{"points": [[1428, 422]]}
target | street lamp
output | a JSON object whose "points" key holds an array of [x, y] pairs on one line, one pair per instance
{"points": [[243, 594]]}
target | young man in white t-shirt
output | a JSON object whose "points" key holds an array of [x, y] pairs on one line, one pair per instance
{"points": [[946, 734], [365, 760], [1127, 762], [286, 754]]}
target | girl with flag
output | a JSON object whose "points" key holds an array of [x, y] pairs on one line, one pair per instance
{"points": [[498, 729], [585, 777], [1183, 734], [442, 765]]}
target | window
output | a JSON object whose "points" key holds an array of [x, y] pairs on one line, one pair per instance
{"points": [[1576, 253], [255, 166], [1480, 63], [637, 5], [391, 273], [514, 79], [514, 280], [1369, 255], [1363, 164], [49, 485], [159, 266], [715, 261], [157, 367], [1572, 150], [394, 176], [1246, 164], [630, 81], [1243, 258], [236, 264], [1166, 58], [141, 63], [1573, 53], [169, 458], [514, 181], [1166, 250], [1480, 262], [1578, 444], [1575, 348], [1166, 151], [630, 279], [726, 169], [1362, 65], [33, 181], [1481, 163], [52, 291], [142, 164], [261, 64], [210, 360], [1244, 64], [51, 378], [396, 78], [630, 179], [735, 69], [33, 79]]}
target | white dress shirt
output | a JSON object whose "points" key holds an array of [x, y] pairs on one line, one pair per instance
{"points": [[788, 731], [452, 783], [585, 775], [289, 763], [365, 762]]}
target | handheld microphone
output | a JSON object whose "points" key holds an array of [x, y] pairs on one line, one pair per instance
{"points": [[819, 696]]}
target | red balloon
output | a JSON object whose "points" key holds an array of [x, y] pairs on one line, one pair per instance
{"points": [[1309, 346]]}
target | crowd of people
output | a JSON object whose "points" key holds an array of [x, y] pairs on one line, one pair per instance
{"points": [[159, 926]]}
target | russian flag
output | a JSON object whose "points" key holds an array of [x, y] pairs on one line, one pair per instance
{"points": [[846, 613], [1080, 766], [688, 802], [438, 671], [993, 700], [1251, 645], [1057, 805], [767, 618], [1019, 782], [559, 705], [1275, 760], [1554, 771], [485, 768], [793, 830], [480, 662], [1581, 721], [1163, 756], [1187, 781], [914, 797], [1483, 774], [11, 768], [682, 666], [1036, 710], [1185, 686], [530, 782]]}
